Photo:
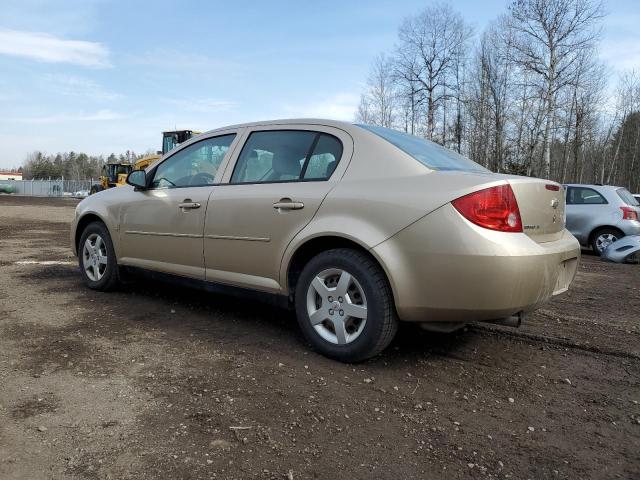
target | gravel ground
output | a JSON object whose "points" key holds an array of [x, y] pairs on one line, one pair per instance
{"points": [[155, 381]]}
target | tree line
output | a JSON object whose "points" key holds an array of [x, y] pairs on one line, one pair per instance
{"points": [[528, 95], [70, 165]]}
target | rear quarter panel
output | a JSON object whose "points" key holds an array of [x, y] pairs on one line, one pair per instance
{"points": [[369, 211]]}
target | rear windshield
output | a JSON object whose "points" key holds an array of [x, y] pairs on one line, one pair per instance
{"points": [[627, 198], [428, 153]]}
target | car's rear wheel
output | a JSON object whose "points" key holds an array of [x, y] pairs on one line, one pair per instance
{"points": [[603, 238], [345, 306], [97, 258]]}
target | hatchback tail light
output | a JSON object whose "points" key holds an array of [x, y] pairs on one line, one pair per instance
{"points": [[494, 208], [629, 213]]}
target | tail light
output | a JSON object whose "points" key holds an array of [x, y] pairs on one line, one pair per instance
{"points": [[494, 208], [629, 213]]}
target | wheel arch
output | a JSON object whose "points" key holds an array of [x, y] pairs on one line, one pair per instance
{"points": [[311, 247], [83, 222]]}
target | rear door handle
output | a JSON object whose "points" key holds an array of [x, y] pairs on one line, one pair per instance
{"points": [[187, 204], [288, 204]]}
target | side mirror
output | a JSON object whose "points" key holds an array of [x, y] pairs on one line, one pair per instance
{"points": [[138, 179]]}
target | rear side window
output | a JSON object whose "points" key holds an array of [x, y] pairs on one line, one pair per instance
{"points": [[626, 197], [287, 156], [428, 153], [584, 196], [324, 158]]}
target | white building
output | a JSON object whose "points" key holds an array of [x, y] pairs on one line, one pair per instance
{"points": [[6, 175]]}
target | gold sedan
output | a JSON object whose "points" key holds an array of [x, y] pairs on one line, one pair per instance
{"points": [[355, 227]]}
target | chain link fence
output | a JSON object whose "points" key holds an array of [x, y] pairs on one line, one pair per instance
{"points": [[47, 188]]}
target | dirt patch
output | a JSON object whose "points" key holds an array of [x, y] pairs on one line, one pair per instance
{"points": [[49, 202], [35, 406], [155, 381]]}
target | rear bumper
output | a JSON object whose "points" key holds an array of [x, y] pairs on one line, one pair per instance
{"points": [[629, 227], [445, 269]]}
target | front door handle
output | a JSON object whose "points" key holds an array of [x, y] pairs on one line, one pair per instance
{"points": [[288, 204], [187, 204]]}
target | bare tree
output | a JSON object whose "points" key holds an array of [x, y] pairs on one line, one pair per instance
{"points": [[550, 37], [496, 62], [429, 43], [364, 115], [409, 90], [377, 105], [528, 99]]}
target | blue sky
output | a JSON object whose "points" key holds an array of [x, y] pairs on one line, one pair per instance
{"points": [[106, 76]]}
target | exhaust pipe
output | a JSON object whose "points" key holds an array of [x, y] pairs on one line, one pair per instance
{"points": [[513, 321]]}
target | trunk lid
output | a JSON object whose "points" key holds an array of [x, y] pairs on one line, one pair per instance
{"points": [[542, 207]]}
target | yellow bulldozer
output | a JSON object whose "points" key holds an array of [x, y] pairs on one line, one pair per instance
{"points": [[115, 173]]}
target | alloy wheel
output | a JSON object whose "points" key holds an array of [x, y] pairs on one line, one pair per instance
{"points": [[604, 240], [94, 257], [336, 306]]}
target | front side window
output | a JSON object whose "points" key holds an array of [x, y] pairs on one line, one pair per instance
{"points": [[194, 166], [286, 156], [584, 196]]}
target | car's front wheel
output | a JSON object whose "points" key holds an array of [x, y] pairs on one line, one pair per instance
{"points": [[97, 258], [344, 305]]}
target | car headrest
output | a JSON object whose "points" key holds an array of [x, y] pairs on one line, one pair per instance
{"points": [[285, 165]]}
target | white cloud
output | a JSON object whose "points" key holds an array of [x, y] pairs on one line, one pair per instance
{"points": [[169, 59], [48, 48], [72, 85], [204, 105], [341, 106], [100, 115], [621, 54]]}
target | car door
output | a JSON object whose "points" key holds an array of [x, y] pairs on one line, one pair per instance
{"points": [[161, 227], [586, 209], [269, 193]]}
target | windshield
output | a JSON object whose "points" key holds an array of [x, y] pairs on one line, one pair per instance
{"points": [[168, 142], [426, 152], [627, 198]]}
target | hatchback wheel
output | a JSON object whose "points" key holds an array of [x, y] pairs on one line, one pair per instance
{"points": [[345, 306], [97, 258], [603, 238]]}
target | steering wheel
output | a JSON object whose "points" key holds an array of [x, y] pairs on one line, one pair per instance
{"points": [[202, 178]]}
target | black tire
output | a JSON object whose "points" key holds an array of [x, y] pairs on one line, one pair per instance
{"points": [[596, 243], [95, 189], [109, 279], [381, 320]]}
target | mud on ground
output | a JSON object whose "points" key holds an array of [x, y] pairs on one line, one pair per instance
{"points": [[159, 382]]}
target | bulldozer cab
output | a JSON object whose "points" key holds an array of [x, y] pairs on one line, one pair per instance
{"points": [[172, 139], [114, 170]]}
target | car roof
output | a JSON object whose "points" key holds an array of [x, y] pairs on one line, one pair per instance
{"points": [[291, 121], [591, 185]]}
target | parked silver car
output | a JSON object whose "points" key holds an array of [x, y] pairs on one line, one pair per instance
{"points": [[598, 215]]}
